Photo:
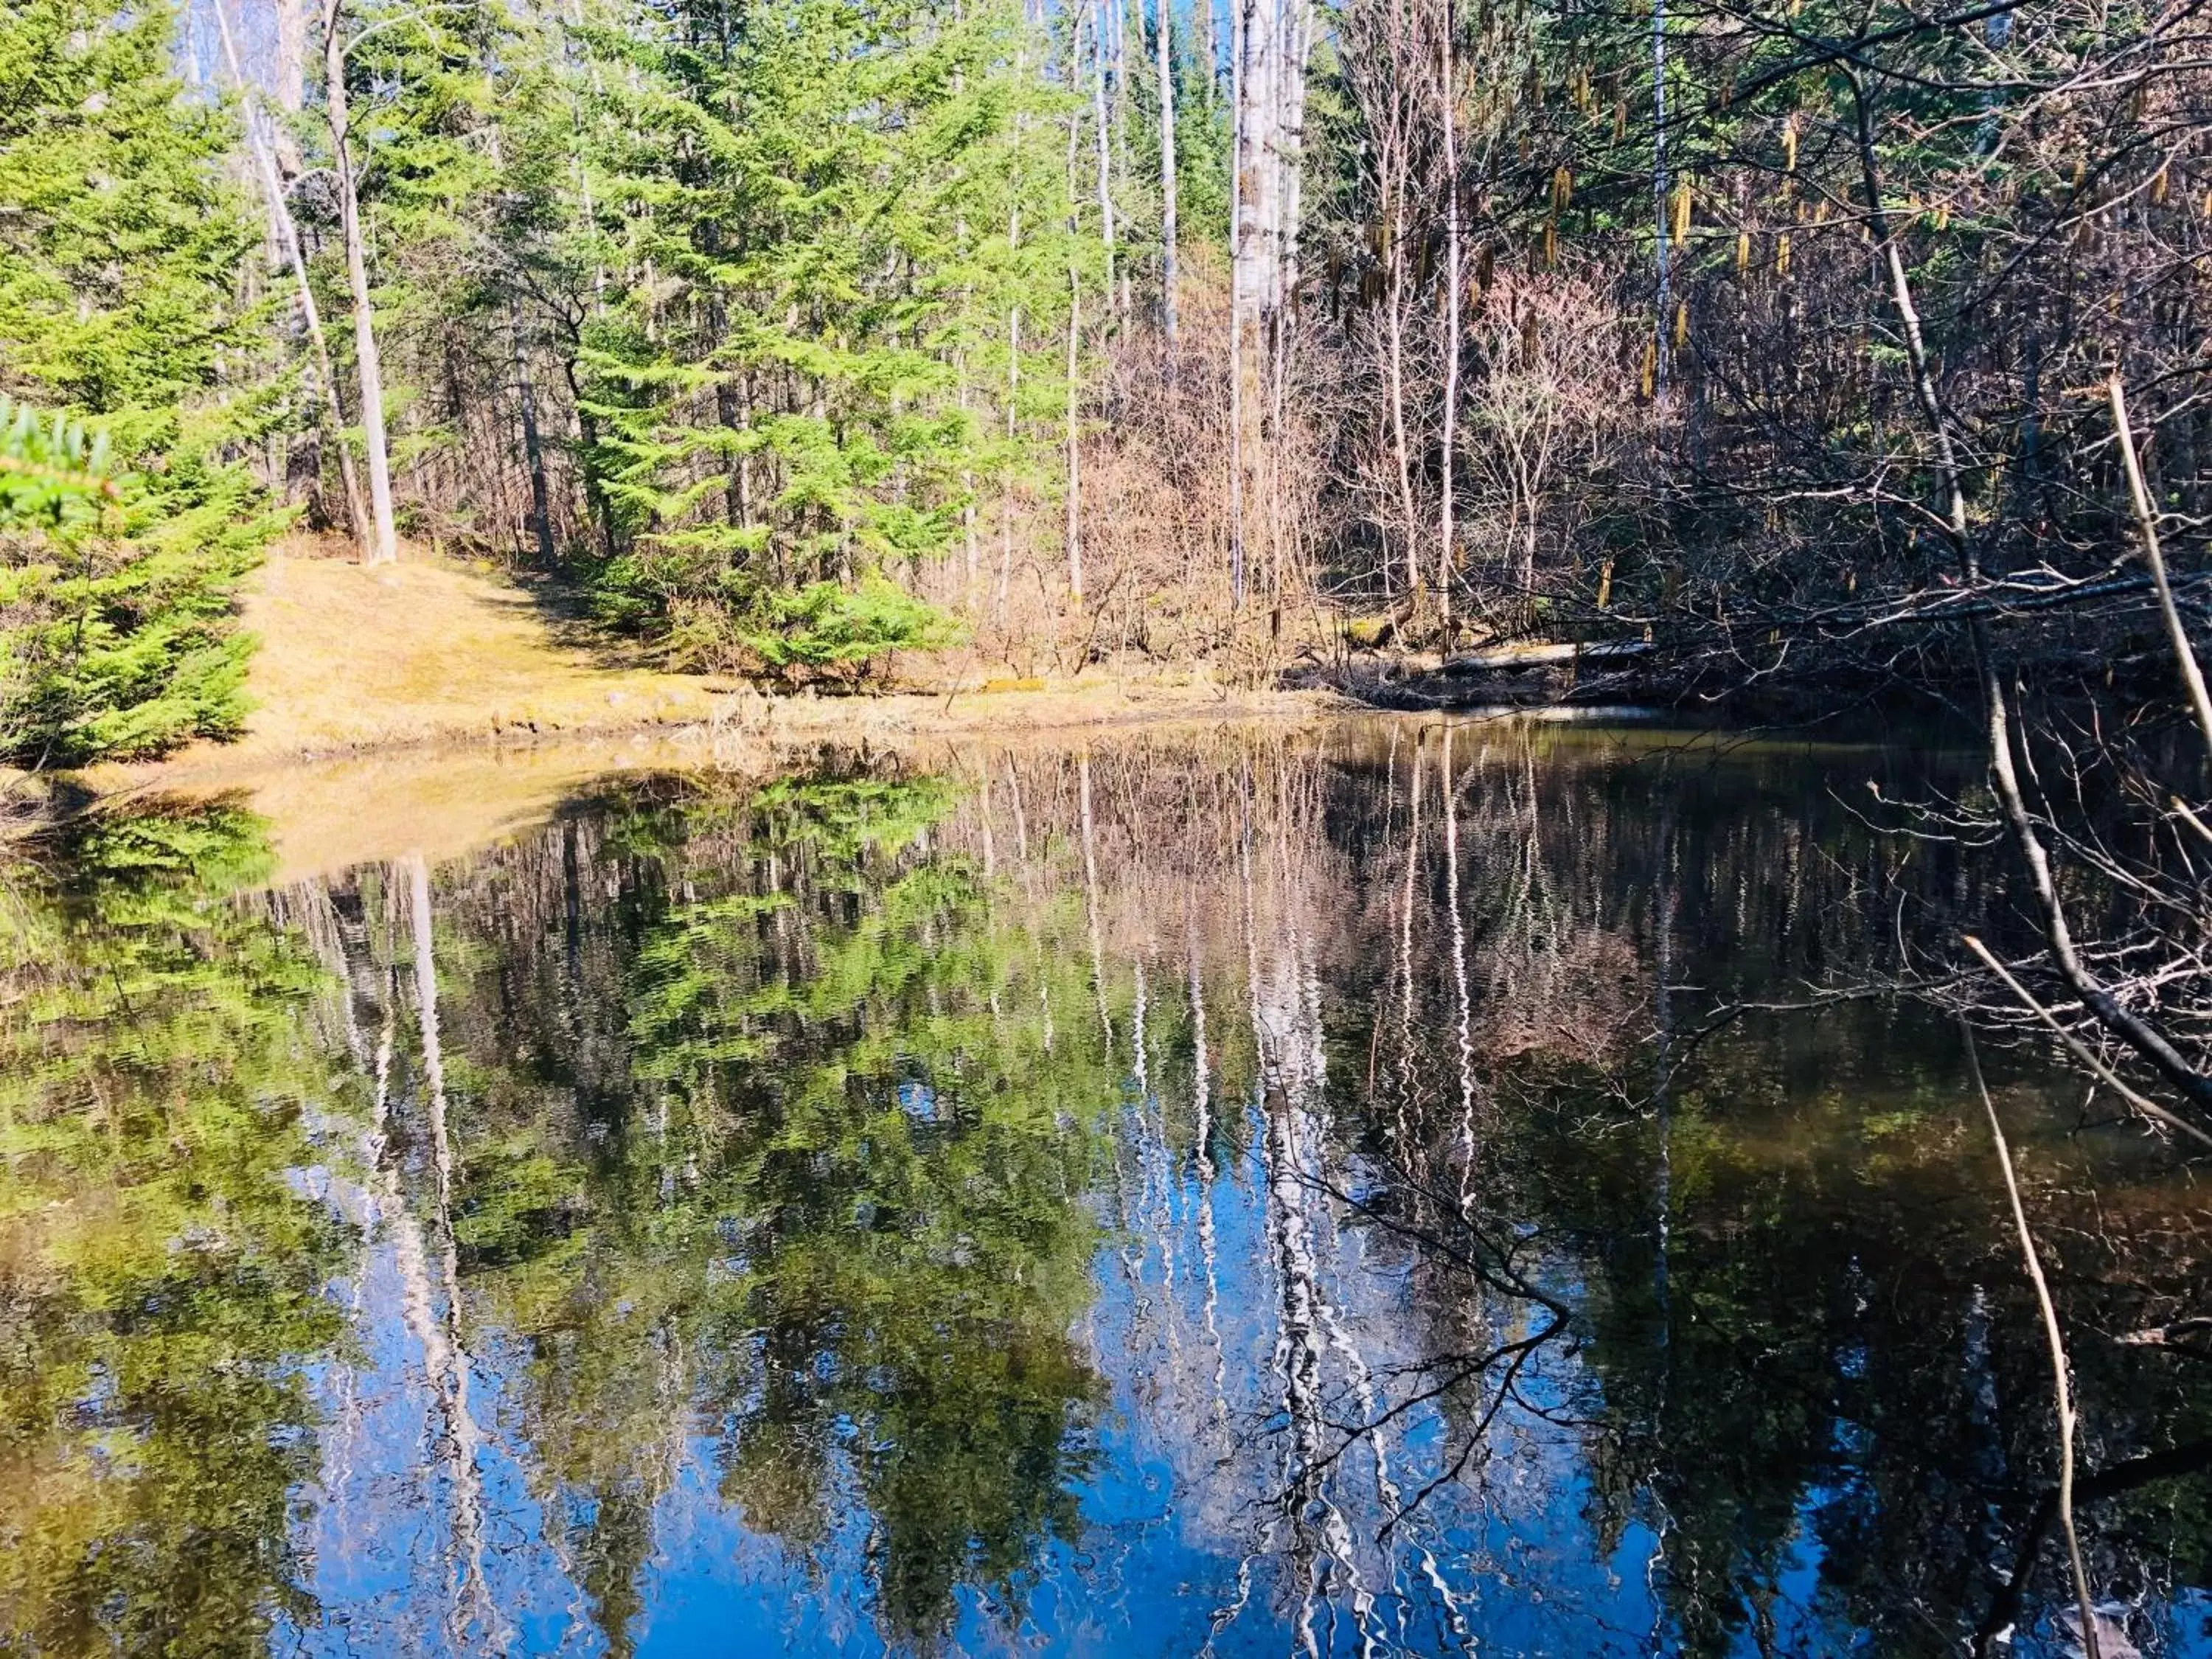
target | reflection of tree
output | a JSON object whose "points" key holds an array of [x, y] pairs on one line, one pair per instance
{"points": [[158, 1277], [821, 1195], [1842, 1373], [825, 1150], [1803, 1346], [836, 1057]]}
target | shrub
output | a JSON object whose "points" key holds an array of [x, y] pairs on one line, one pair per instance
{"points": [[828, 629]]}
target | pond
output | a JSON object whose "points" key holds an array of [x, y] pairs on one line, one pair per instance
{"points": [[1402, 1187]]}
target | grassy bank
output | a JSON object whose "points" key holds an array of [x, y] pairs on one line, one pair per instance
{"points": [[427, 691]]}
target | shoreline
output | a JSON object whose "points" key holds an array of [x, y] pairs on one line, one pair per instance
{"points": [[353, 661], [445, 796], [860, 719]]}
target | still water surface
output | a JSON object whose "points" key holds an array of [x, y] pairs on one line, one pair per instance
{"points": [[1249, 1194]]}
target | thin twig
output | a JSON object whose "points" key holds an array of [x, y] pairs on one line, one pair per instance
{"points": [[2060, 1384], [2081, 1051], [2192, 677]]}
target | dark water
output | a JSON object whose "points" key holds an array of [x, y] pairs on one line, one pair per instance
{"points": [[1253, 1194]]}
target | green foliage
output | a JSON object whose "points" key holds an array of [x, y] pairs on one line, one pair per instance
{"points": [[802, 267], [828, 626], [124, 233], [117, 634], [812, 231], [53, 471], [162, 1294], [125, 521]]}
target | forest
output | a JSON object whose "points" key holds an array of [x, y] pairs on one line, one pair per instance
{"points": [[1827, 366], [1717, 347], [1812, 356]]}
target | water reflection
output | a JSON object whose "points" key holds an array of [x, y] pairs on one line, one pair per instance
{"points": [[1255, 1195]]}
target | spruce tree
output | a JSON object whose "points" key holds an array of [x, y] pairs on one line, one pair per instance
{"points": [[819, 218], [121, 304]]}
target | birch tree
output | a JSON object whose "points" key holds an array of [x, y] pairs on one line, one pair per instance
{"points": [[1163, 12], [1273, 42], [384, 537]]}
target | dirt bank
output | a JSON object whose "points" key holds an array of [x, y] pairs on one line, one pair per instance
{"points": [[431, 707], [423, 654]]}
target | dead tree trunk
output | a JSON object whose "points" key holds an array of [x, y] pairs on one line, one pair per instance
{"points": [[286, 230]]}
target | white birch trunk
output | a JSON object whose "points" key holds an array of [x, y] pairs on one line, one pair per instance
{"points": [[286, 231], [1236, 9], [1074, 530], [384, 541], [1273, 41], [1167, 173]]}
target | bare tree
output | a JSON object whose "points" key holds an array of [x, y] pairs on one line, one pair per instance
{"points": [[1543, 392], [285, 229], [384, 539]]}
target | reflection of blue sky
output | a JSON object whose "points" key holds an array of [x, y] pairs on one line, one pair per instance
{"points": [[1183, 1546], [1180, 1539], [918, 1100], [1180, 1507]]}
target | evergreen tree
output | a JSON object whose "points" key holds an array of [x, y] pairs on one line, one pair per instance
{"points": [[119, 302], [816, 222]]}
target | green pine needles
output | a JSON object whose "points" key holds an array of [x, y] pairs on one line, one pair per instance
{"points": [[834, 243], [126, 516], [117, 636], [827, 628], [54, 471]]}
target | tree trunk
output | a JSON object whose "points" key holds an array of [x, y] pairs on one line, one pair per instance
{"points": [[1659, 193], [1450, 118], [1251, 245], [533, 449], [1006, 482], [286, 230], [1102, 121], [288, 79], [1237, 192], [1121, 125], [1167, 175], [1272, 40], [1295, 20], [1074, 533], [384, 542], [1074, 446]]}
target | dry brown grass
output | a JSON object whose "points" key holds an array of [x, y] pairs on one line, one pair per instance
{"points": [[429, 652], [433, 707], [352, 657]]}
